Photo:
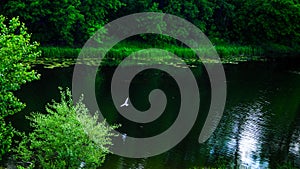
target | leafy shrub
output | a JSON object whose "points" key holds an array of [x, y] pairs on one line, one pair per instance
{"points": [[66, 137], [16, 52]]}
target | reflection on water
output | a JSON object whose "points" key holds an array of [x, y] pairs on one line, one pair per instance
{"points": [[260, 127], [244, 137]]}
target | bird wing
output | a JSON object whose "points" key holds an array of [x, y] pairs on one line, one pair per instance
{"points": [[125, 103]]}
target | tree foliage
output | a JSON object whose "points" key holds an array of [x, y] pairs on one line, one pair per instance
{"points": [[275, 21], [67, 137], [16, 53], [61, 22], [66, 22]]}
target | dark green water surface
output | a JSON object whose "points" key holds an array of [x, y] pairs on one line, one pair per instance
{"points": [[260, 126]]}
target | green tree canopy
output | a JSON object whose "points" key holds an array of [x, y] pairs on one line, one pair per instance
{"points": [[275, 21], [16, 53], [66, 22], [61, 22]]}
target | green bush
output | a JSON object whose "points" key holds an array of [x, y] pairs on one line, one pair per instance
{"points": [[66, 137], [16, 52]]}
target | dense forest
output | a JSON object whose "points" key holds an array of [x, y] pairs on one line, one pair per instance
{"points": [[246, 22]]}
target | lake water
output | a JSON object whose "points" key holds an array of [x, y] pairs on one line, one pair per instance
{"points": [[260, 127]]}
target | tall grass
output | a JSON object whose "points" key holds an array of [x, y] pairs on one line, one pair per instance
{"points": [[59, 52], [227, 53], [223, 51]]}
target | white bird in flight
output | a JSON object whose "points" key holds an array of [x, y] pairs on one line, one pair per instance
{"points": [[125, 103], [124, 137]]}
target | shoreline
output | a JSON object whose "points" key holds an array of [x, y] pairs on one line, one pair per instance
{"points": [[225, 51], [229, 54]]}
